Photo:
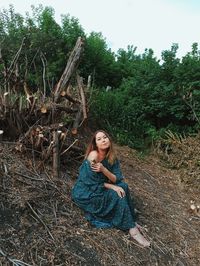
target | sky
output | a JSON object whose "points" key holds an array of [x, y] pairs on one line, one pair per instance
{"points": [[155, 24]]}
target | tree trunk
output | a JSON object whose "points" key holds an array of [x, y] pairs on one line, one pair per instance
{"points": [[56, 156], [70, 68]]}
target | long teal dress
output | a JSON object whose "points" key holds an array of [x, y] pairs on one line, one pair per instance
{"points": [[103, 206]]}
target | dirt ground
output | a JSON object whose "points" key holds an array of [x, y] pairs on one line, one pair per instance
{"points": [[40, 225]]}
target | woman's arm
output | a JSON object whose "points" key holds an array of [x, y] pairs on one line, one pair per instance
{"points": [[108, 174], [120, 191], [114, 174], [98, 167], [116, 170], [93, 157]]}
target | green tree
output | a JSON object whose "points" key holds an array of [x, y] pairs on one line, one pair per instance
{"points": [[98, 60], [71, 30]]}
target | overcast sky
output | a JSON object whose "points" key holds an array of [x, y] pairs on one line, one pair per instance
{"points": [[155, 24]]}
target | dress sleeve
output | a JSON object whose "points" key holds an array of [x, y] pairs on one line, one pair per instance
{"points": [[116, 170], [88, 177], [88, 184]]}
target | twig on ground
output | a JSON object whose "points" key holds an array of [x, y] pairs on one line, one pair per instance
{"points": [[46, 227], [14, 261], [29, 177]]}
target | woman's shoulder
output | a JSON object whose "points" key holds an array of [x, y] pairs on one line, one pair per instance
{"points": [[93, 155]]}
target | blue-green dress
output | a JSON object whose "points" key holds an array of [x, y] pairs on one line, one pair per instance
{"points": [[103, 206]]}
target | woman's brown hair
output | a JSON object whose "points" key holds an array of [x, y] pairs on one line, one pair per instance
{"points": [[111, 154]]}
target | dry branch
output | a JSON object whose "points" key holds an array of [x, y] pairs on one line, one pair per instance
{"points": [[70, 68], [13, 63], [77, 121], [69, 147], [55, 154], [13, 261], [33, 117], [80, 86], [64, 94], [1, 134], [49, 108], [40, 220]]}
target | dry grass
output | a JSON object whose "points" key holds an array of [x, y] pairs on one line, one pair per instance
{"points": [[40, 225], [183, 155]]}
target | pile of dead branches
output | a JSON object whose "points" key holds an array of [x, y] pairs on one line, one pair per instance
{"points": [[45, 124]]}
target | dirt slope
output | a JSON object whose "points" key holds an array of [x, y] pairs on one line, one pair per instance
{"points": [[40, 225]]}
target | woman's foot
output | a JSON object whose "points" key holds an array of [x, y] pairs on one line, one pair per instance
{"points": [[136, 235], [139, 227]]}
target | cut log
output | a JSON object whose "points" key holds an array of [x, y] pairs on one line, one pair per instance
{"points": [[1, 134], [56, 159]]}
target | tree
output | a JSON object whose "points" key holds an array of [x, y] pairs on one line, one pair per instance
{"points": [[98, 60]]}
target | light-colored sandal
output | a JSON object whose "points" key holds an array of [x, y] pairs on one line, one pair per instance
{"points": [[140, 239], [139, 227]]}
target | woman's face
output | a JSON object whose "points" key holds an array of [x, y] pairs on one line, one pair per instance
{"points": [[102, 141]]}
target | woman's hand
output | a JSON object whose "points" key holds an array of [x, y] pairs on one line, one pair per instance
{"points": [[97, 167], [120, 191]]}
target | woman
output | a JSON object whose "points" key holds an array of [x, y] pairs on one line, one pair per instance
{"points": [[101, 192]]}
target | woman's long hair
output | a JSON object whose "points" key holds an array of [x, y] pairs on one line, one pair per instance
{"points": [[110, 155]]}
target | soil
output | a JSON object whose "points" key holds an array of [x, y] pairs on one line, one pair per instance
{"points": [[40, 225]]}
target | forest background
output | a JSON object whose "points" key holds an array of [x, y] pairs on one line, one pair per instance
{"points": [[136, 97]]}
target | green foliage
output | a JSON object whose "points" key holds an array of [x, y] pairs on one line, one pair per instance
{"points": [[46, 44], [98, 61], [71, 30], [146, 97], [151, 98]]}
